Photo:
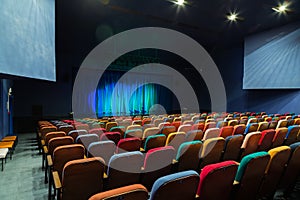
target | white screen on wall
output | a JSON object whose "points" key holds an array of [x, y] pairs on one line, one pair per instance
{"points": [[27, 38], [272, 59]]}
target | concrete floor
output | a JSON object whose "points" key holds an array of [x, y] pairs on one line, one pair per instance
{"points": [[22, 177]]}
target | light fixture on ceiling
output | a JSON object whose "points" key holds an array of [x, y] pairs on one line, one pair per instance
{"points": [[233, 17], [180, 2], [282, 8]]}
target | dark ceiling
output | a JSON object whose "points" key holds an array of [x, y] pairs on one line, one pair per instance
{"points": [[204, 20]]}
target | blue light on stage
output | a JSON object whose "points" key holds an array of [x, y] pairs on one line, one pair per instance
{"points": [[126, 99]]}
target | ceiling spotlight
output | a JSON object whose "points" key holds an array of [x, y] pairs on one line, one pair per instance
{"points": [[282, 8], [232, 17], [179, 2]]}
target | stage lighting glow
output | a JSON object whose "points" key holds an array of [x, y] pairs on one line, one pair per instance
{"points": [[232, 17], [179, 2], [282, 8]]}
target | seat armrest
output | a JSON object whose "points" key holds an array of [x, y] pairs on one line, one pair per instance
{"points": [[49, 161], [57, 183], [45, 149]]}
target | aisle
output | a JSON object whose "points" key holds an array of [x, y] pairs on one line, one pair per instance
{"points": [[22, 177]]}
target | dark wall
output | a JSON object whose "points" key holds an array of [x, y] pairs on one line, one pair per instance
{"points": [[82, 26]]}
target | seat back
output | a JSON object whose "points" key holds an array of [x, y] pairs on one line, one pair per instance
{"points": [[136, 126], [262, 126], [120, 129], [146, 121], [188, 155], [194, 135], [232, 147], [178, 186], [80, 126], [191, 122], [209, 125], [82, 178], [156, 122], [124, 169], [66, 153], [185, 128], [157, 163], [291, 136], [199, 126], [250, 143], [58, 141], [252, 127], [113, 136], [145, 126], [128, 144], [138, 133], [158, 158], [87, 139], [154, 141], [226, 131], [291, 172], [250, 174], [221, 124], [282, 123], [51, 135], [211, 133], [297, 121], [166, 130], [273, 124], [150, 131], [274, 171], [211, 151], [176, 124], [66, 128], [177, 119], [251, 120], [266, 140], [216, 180], [162, 124], [233, 122], [103, 149], [137, 122], [175, 139], [47, 129], [109, 125], [97, 131], [75, 133], [279, 137], [130, 192], [239, 129]]}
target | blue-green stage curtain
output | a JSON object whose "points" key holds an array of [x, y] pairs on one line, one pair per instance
{"points": [[127, 99]]}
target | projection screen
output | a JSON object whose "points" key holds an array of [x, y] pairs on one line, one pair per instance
{"points": [[272, 59], [27, 38]]}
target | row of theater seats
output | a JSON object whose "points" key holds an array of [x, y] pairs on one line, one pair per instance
{"points": [[256, 174], [231, 147], [256, 177], [158, 156], [219, 121]]}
